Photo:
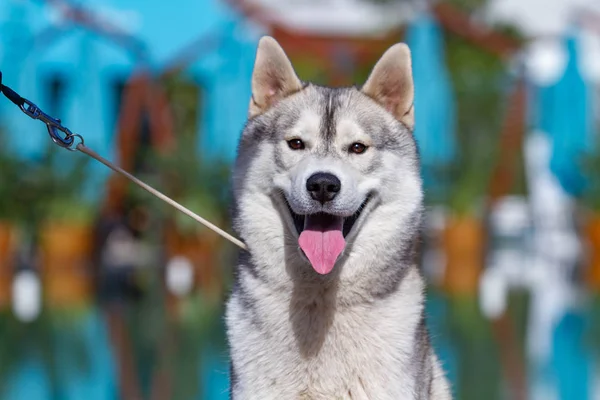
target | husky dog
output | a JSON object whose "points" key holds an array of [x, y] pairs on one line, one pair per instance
{"points": [[328, 300]]}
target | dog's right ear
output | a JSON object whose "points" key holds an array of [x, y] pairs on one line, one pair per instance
{"points": [[273, 78]]}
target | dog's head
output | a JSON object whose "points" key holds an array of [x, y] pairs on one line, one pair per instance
{"points": [[326, 176]]}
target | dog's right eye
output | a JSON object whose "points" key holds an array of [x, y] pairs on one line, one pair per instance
{"points": [[296, 144]]}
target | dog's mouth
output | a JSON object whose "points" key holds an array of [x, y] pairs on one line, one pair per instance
{"points": [[322, 236], [347, 222]]}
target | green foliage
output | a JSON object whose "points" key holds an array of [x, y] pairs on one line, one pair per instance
{"points": [[480, 81], [11, 209], [310, 70], [32, 191], [519, 303], [200, 185], [63, 186], [592, 338], [469, 6], [590, 197]]}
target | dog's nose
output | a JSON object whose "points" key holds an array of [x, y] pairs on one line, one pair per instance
{"points": [[323, 186]]}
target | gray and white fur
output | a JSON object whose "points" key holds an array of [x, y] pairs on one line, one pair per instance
{"points": [[358, 332]]}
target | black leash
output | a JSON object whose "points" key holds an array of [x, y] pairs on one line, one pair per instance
{"points": [[59, 134], [11, 94]]}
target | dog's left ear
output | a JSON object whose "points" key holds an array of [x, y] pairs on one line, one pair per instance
{"points": [[391, 84], [273, 78]]}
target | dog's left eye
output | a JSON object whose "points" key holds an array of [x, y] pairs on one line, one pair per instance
{"points": [[296, 144], [357, 148]]}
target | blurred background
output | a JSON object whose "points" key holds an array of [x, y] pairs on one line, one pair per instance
{"points": [[106, 293]]}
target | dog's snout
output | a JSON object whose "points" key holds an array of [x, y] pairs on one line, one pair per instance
{"points": [[323, 186]]}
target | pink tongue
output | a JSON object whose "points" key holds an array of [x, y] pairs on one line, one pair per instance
{"points": [[322, 241]]}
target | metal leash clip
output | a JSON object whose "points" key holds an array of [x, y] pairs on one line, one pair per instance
{"points": [[64, 139]]}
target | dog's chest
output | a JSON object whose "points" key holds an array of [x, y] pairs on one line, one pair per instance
{"points": [[310, 350]]}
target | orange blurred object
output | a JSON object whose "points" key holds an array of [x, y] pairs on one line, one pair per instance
{"points": [[66, 273], [7, 251], [463, 243], [592, 236]]}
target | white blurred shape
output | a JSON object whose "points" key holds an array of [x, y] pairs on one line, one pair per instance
{"points": [[590, 55], [434, 265], [338, 17], [545, 61], [555, 248], [538, 17], [434, 258], [551, 207], [26, 296], [510, 215], [492, 294], [180, 276], [435, 219]]}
